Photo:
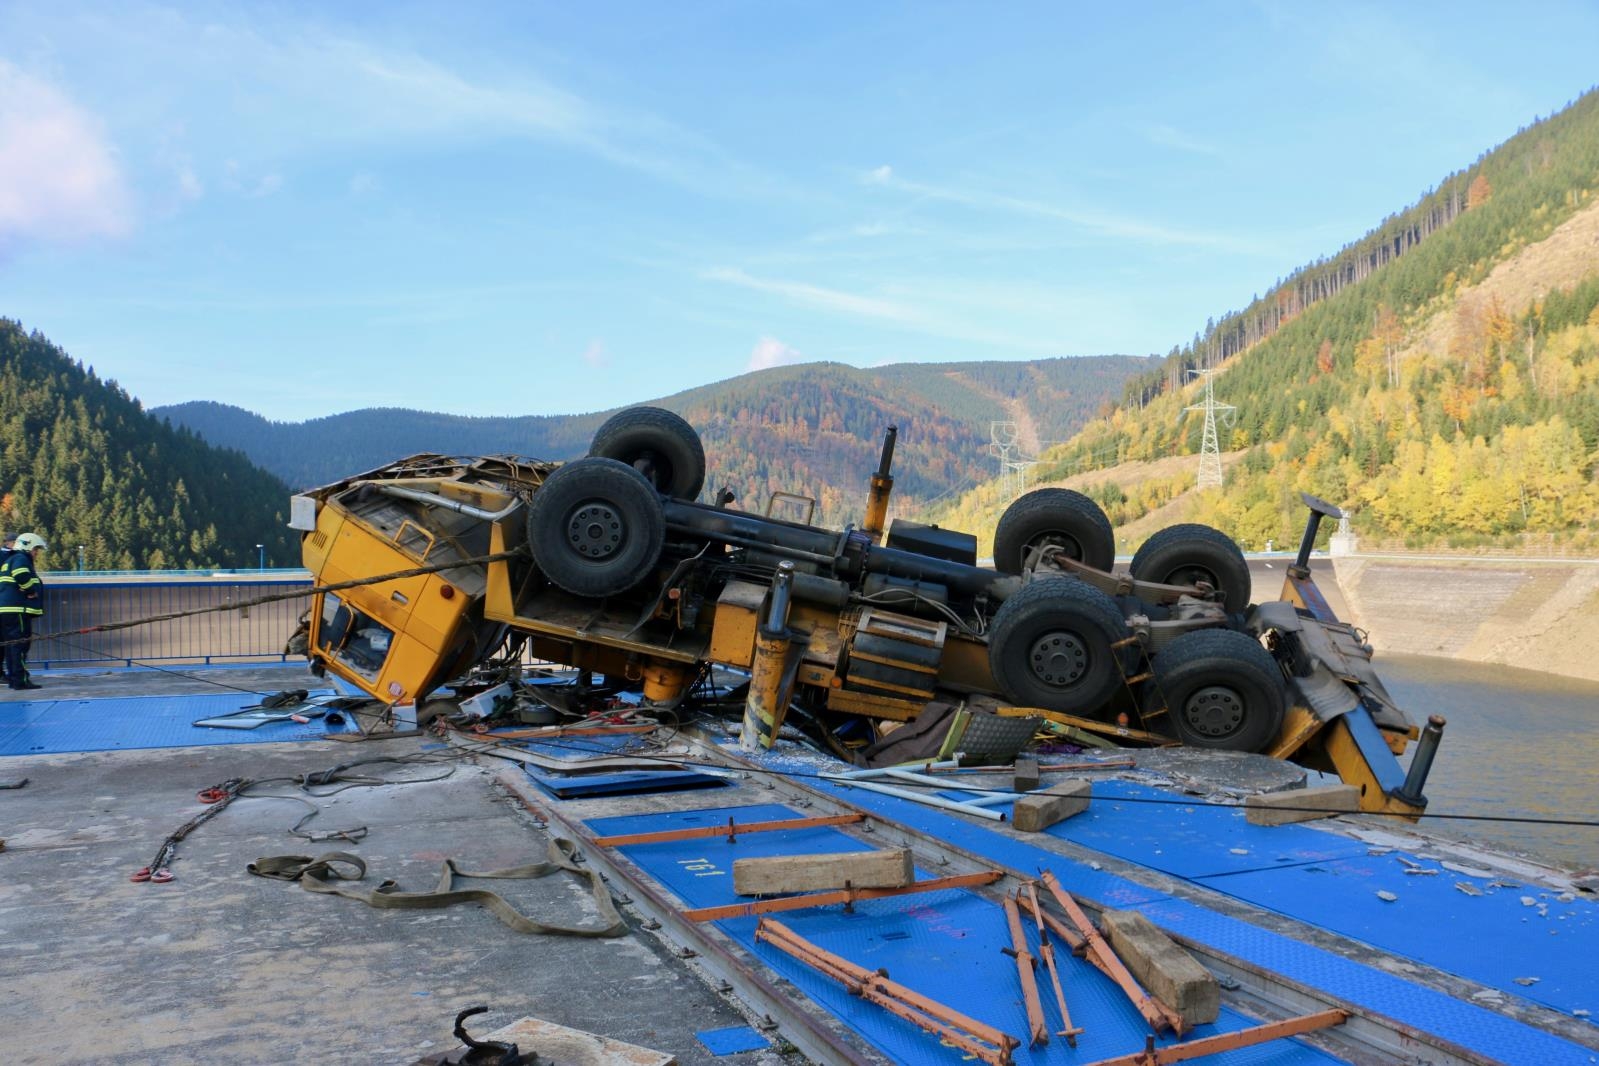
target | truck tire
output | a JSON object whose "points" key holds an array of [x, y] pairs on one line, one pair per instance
{"points": [[1051, 646], [596, 527], [1060, 517], [1221, 689], [1189, 553], [659, 444]]}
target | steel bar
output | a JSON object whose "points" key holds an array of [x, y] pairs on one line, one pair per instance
{"points": [[730, 830], [1156, 1013], [1038, 1029], [1212, 1045], [916, 797], [843, 895], [1047, 951], [1112, 764], [558, 731], [969, 1035]]}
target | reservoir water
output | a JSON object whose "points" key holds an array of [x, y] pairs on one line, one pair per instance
{"points": [[1518, 743]]}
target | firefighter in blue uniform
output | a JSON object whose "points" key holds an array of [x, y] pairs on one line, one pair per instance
{"points": [[21, 602]]}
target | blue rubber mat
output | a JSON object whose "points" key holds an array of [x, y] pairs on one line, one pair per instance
{"points": [[47, 727], [1486, 1032], [946, 945], [1542, 949], [1192, 840], [732, 1040]]}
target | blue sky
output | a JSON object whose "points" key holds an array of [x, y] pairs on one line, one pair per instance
{"points": [[529, 208]]}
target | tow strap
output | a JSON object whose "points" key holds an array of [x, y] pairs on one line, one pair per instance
{"points": [[323, 874]]}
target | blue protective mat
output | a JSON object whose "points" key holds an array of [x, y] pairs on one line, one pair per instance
{"points": [[1192, 840], [1493, 938], [1486, 1032], [47, 727], [732, 1040], [946, 945]]}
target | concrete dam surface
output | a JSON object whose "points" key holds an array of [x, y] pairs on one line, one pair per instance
{"points": [[1529, 614]]}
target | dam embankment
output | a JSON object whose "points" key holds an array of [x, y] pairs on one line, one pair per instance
{"points": [[1532, 614]]}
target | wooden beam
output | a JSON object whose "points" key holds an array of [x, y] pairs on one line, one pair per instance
{"points": [[779, 874]]}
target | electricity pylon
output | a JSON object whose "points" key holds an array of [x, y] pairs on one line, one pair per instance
{"points": [[1002, 437], [1210, 448]]}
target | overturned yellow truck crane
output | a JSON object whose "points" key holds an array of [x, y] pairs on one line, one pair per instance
{"points": [[608, 564]]}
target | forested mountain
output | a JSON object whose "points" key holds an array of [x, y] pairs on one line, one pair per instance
{"points": [[814, 429], [1440, 376], [85, 466]]}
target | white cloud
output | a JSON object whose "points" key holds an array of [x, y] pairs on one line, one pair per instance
{"points": [[879, 175], [59, 178], [922, 319], [595, 355], [769, 352], [238, 181], [363, 183], [189, 184], [815, 295], [1171, 137], [1096, 220]]}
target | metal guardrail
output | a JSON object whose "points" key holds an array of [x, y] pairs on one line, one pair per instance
{"points": [[76, 601]]}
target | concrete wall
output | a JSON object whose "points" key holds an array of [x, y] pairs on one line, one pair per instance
{"points": [[1534, 615]]}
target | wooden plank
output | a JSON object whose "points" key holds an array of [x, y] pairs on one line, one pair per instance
{"points": [[1301, 804], [1166, 970], [779, 874], [1037, 811]]}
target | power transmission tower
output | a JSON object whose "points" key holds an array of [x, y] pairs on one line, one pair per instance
{"points": [[1210, 448], [1002, 438]]}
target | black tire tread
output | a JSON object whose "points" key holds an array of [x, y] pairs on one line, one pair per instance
{"points": [[1188, 543], [617, 483], [1241, 660], [1053, 510], [1098, 613], [636, 429]]}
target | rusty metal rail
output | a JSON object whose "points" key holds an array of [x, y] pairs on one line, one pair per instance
{"points": [[971, 1036], [846, 896], [729, 831], [1212, 1045]]}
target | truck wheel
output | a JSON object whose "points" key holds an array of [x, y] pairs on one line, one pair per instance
{"points": [[1189, 553], [1053, 517], [1221, 689], [657, 443], [1051, 646], [596, 527]]}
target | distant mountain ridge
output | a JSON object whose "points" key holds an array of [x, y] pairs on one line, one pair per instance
{"points": [[814, 429]]}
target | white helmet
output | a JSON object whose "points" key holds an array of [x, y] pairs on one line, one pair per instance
{"points": [[28, 542]]}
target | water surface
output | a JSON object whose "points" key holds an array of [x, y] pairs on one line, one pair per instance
{"points": [[1518, 743]]}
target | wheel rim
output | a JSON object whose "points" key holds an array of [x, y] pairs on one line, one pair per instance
{"points": [[1058, 659], [1214, 711], [595, 530]]}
